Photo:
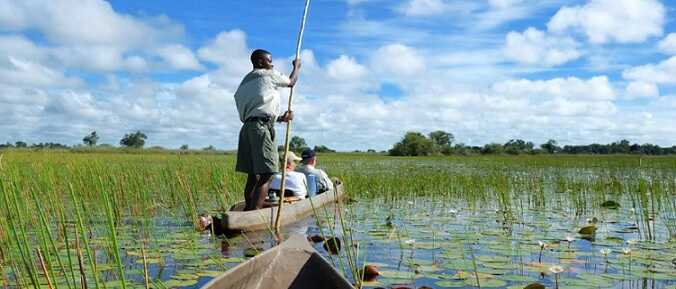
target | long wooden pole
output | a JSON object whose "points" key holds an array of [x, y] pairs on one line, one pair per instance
{"points": [[288, 124]]}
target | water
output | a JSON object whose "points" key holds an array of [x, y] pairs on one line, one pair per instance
{"points": [[434, 243]]}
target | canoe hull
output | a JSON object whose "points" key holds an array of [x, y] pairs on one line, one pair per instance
{"points": [[264, 219], [294, 264]]}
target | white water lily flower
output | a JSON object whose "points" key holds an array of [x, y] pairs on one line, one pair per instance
{"points": [[409, 242], [542, 244], [632, 242], [604, 251], [453, 211], [626, 251], [570, 238], [556, 269], [410, 203]]}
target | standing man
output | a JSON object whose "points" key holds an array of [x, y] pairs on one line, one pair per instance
{"points": [[258, 104]]}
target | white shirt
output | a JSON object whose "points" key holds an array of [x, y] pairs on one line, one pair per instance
{"points": [[258, 95], [295, 182]]}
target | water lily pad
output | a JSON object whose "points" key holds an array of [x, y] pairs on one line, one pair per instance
{"points": [[517, 278], [459, 264], [210, 273], [486, 283], [588, 230], [397, 274], [173, 283], [593, 280], [450, 284]]}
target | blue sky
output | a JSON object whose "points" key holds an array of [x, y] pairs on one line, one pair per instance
{"points": [[485, 70]]}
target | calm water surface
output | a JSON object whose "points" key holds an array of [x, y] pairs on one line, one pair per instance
{"points": [[442, 244]]}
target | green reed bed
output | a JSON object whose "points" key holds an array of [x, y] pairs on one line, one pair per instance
{"points": [[101, 217]]}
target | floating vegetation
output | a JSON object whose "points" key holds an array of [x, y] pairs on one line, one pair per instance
{"points": [[610, 205], [369, 272], [588, 230], [332, 245]]}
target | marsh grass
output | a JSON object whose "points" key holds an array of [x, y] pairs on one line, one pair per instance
{"points": [[79, 209]]}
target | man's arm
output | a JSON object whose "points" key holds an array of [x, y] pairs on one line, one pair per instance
{"points": [[294, 73], [326, 180]]}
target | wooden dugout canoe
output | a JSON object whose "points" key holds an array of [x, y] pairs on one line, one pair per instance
{"points": [[294, 264], [237, 220]]}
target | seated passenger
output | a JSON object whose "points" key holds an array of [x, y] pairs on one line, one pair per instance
{"points": [[296, 183], [307, 167]]}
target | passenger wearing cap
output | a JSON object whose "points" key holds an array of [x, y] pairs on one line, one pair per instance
{"points": [[296, 183], [307, 167]]}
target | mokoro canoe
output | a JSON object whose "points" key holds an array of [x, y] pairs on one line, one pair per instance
{"points": [[237, 220], [294, 264]]}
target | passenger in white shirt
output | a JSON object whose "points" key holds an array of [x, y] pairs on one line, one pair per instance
{"points": [[296, 183]]}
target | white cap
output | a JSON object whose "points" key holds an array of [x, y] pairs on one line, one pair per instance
{"points": [[292, 157]]}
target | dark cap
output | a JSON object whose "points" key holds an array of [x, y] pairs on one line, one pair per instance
{"points": [[307, 154]]}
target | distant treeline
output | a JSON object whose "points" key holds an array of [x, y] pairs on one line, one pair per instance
{"points": [[134, 142], [412, 144], [443, 143], [106, 148]]}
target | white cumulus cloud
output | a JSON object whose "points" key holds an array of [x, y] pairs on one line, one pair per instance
{"points": [[397, 60], [604, 21], [422, 7], [180, 57], [502, 4], [535, 47], [668, 44], [661, 73], [597, 88], [640, 89], [346, 68], [90, 35], [83, 22], [27, 73]]}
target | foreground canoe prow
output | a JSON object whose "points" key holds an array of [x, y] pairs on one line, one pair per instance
{"points": [[237, 220], [293, 264]]}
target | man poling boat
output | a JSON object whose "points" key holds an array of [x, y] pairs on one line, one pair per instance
{"points": [[257, 100], [258, 104]]}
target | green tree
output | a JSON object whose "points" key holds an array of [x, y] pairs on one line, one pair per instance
{"points": [[517, 146], [442, 138], [323, 149], [492, 148], [134, 140], [620, 147], [20, 144], [91, 139], [550, 147], [413, 144], [297, 144], [184, 147], [460, 149], [442, 141]]}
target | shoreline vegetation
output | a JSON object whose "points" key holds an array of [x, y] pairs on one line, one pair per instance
{"points": [[412, 144]]}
